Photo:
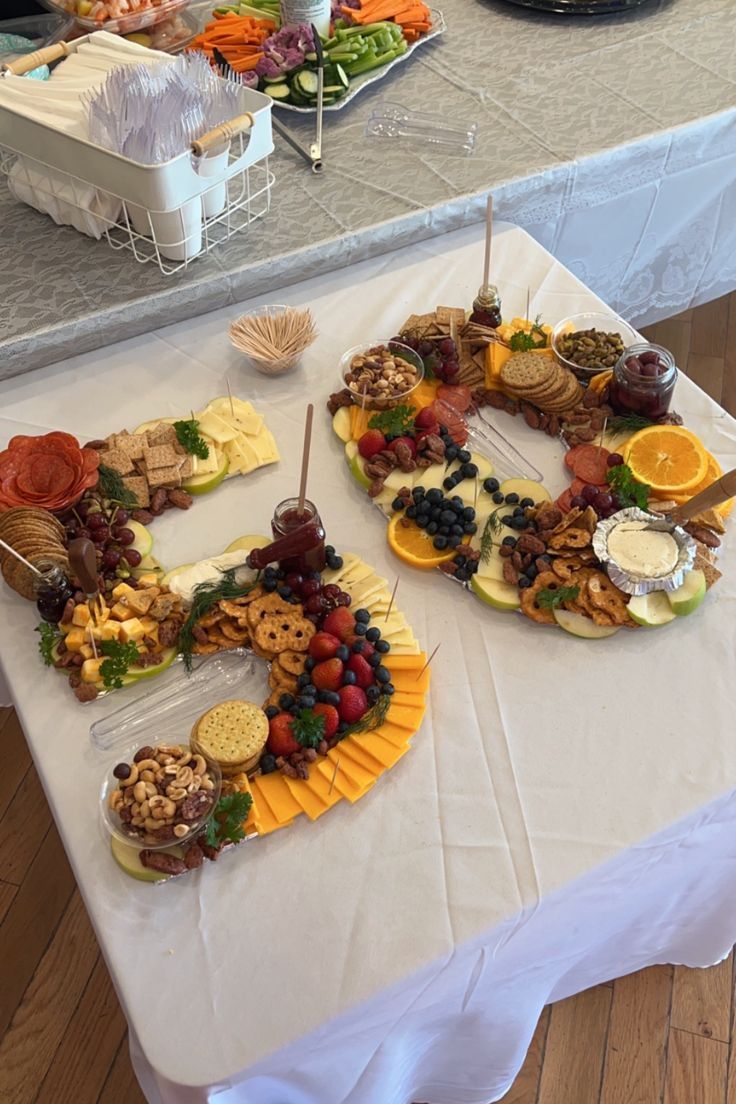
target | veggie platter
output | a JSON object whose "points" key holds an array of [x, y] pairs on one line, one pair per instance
{"points": [[368, 37], [200, 767]]}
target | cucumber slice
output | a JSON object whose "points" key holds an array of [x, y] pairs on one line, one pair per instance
{"points": [[278, 91], [342, 77], [307, 83], [274, 80]]}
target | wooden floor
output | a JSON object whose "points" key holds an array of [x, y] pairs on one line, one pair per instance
{"points": [[663, 1036]]}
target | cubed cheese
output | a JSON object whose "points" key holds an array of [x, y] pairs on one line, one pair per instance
{"points": [[120, 612], [109, 631], [75, 639], [87, 651], [81, 615], [91, 670], [131, 630], [121, 591]]}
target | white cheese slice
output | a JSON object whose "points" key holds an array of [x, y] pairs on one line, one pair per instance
{"points": [[264, 446], [212, 425]]}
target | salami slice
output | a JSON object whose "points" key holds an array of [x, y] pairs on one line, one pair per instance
{"points": [[452, 419], [564, 501], [457, 395], [590, 463]]}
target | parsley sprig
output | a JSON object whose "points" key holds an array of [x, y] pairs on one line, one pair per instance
{"points": [[49, 638], [521, 341], [228, 819], [188, 436], [119, 657], [395, 422], [308, 728], [550, 599], [625, 487]]}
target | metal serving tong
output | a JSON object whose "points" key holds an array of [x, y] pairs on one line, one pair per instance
{"points": [[313, 156], [718, 492]]}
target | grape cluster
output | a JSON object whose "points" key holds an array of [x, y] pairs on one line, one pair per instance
{"points": [[105, 525], [603, 502], [440, 358]]}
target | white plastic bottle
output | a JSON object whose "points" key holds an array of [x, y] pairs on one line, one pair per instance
{"points": [[307, 11]]}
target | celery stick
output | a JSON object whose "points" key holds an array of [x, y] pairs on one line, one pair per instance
{"points": [[370, 63]]}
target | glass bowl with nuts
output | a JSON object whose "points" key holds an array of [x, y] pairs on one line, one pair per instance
{"points": [[160, 796], [591, 343], [381, 374]]}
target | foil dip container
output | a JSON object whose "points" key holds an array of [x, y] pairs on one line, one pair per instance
{"points": [[639, 584]]}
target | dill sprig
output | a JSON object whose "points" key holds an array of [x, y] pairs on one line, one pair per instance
{"points": [[628, 423], [492, 526], [112, 486], [203, 598], [374, 718]]}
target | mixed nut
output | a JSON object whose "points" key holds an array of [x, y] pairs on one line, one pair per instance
{"points": [[162, 794], [380, 375], [591, 349]]}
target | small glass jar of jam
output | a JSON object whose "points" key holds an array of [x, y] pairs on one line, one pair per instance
{"points": [[643, 381], [299, 539], [53, 591], [487, 307]]}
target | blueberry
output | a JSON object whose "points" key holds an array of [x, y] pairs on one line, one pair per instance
{"points": [[303, 680], [444, 531], [411, 511], [373, 635], [469, 470], [447, 517], [434, 496], [440, 542], [507, 519], [457, 503], [421, 491], [306, 701], [397, 504], [472, 567], [382, 674], [383, 646], [343, 653], [374, 659], [519, 511], [463, 456], [342, 728], [360, 629], [448, 483], [524, 582], [451, 453], [432, 528], [435, 513], [358, 646], [310, 690], [373, 694], [269, 573], [527, 502], [491, 485], [295, 600], [267, 764], [462, 575], [330, 549], [512, 498], [330, 697], [286, 701], [470, 528], [349, 678], [455, 541], [510, 541], [309, 663], [460, 561], [417, 493], [545, 558], [469, 514], [422, 521], [532, 571], [456, 530], [362, 615], [498, 498], [518, 523], [281, 574], [387, 688], [336, 563], [269, 585], [271, 712]]}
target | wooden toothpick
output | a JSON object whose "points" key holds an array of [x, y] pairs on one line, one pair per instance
{"points": [[475, 491], [603, 434], [363, 396], [393, 595], [90, 630], [230, 396], [489, 236], [334, 775], [305, 459], [426, 665], [527, 316]]}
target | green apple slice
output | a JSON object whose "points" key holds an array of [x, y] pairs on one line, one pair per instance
{"points": [[127, 856], [484, 466], [247, 544], [526, 488], [496, 593], [492, 568], [341, 423], [688, 596], [143, 542], [149, 565], [651, 609], [356, 463], [578, 625], [207, 481], [175, 571], [168, 655], [430, 478]]}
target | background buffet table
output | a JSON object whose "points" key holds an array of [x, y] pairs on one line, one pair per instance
{"points": [[566, 814], [610, 139]]}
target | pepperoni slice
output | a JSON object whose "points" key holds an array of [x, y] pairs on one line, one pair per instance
{"points": [[457, 395], [590, 463], [564, 501], [452, 419]]}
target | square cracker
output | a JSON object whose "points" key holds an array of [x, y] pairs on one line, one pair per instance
{"points": [[119, 460], [164, 477], [139, 487], [160, 456], [132, 443], [163, 434]]}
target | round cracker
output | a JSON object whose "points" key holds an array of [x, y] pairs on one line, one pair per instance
{"points": [[231, 732]]}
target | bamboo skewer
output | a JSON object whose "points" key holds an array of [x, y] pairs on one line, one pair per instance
{"points": [[489, 236], [305, 459], [230, 396], [391, 603], [334, 775], [426, 665], [527, 316]]}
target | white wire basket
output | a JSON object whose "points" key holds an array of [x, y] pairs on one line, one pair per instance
{"points": [[168, 214]]}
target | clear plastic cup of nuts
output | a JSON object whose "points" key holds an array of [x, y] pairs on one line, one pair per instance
{"points": [[160, 795], [381, 374]]}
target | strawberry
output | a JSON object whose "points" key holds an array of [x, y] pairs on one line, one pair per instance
{"points": [[281, 740], [408, 441], [371, 442], [426, 418], [331, 716], [353, 704], [340, 623], [328, 675], [323, 646], [361, 669]]}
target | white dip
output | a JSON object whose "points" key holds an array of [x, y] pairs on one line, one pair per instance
{"points": [[642, 551], [210, 571]]}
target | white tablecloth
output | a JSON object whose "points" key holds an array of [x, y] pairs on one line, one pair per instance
{"points": [[566, 813]]}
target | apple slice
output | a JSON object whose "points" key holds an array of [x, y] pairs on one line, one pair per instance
{"points": [[356, 463], [579, 625], [688, 596], [207, 481], [167, 658], [526, 488], [143, 542], [431, 478], [127, 856], [175, 571], [341, 424], [651, 609], [492, 568], [247, 544], [484, 466], [496, 593]]}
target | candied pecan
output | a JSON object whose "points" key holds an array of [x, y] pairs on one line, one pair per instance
{"points": [[505, 550], [526, 560], [591, 398], [586, 435], [577, 417], [195, 805], [424, 462], [168, 633], [99, 446], [548, 515], [531, 416], [375, 488], [165, 864], [541, 565], [496, 399], [65, 660], [179, 498], [193, 857], [85, 692], [434, 444], [597, 419], [68, 612], [543, 421], [145, 517], [211, 853], [158, 501], [516, 559], [510, 574], [404, 457], [554, 425], [302, 770], [527, 542], [200, 635], [75, 678], [310, 755], [323, 747], [147, 659], [704, 535], [448, 567], [511, 406], [289, 771]]}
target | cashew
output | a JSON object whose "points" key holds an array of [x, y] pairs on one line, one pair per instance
{"points": [[148, 776], [151, 790], [137, 821], [132, 777], [139, 791], [207, 783], [135, 808], [199, 765], [172, 768], [170, 808], [184, 776], [145, 809], [181, 830], [176, 793], [186, 758], [116, 799], [152, 825], [147, 765]]}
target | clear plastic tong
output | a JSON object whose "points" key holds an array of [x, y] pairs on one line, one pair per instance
{"points": [[392, 120]]}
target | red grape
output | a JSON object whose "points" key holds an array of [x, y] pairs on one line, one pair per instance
{"points": [[344, 599], [578, 501], [589, 492], [614, 459], [111, 558], [310, 587], [84, 532], [331, 591], [96, 520], [425, 348], [294, 580], [602, 502], [315, 604], [121, 516], [447, 348], [132, 556], [124, 536]]}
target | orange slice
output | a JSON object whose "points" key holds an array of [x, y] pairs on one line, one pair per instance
{"points": [[413, 546], [669, 458], [715, 471]]}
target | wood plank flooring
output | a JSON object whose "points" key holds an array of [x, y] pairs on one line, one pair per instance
{"points": [[662, 1036]]}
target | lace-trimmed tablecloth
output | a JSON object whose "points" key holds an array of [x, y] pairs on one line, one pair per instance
{"points": [[610, 139]]}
